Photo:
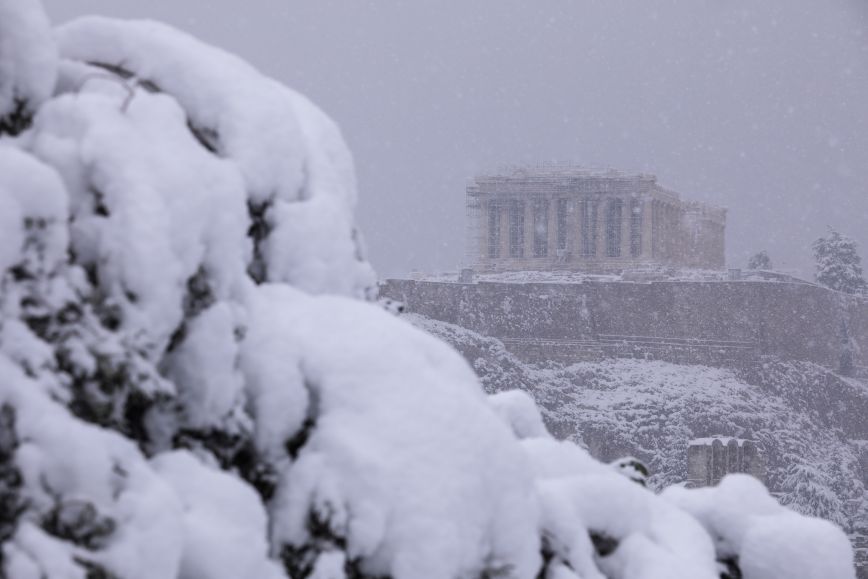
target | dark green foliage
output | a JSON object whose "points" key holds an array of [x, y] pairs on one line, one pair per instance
{"points": [[548, 555], [632, 468], [18, 120], [299, 560], [208, 138], [496, 571], [199, 297], [107, 385], [79, 523], [300, 438], [729, 568], [135, 412], [99, 206], [234, 452], [760, 260], [604, 545], [220, 444], [114, 69], [75, 521], [260, 228], [549, 558], [94, 571], [111, 395], [11, 502], [110, 314], [353, 570], [256, 471], [839, 266]]}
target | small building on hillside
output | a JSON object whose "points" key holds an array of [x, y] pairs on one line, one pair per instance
{"points": [[565, 218], [710, 459]]}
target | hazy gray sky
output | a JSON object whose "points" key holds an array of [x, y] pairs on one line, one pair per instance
{"points": [[757, 105]]}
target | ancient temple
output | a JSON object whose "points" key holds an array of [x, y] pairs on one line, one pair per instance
{"points": [[566, 218]]}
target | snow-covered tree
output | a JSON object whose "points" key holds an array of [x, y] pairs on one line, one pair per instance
{"points": [[27, 57], [839, 266], [809, 491], [193, 382], [760, 260]]}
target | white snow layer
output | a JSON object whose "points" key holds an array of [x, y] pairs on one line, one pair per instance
{"points": [[292, 157], [386, 457], [767, 540], [67, 464], [225, 524], [28, 57], [518, 409], [151, 207], [33, 209], [405, 459]]}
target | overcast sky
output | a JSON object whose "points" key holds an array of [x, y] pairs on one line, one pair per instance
{"points": [[757, 105]]}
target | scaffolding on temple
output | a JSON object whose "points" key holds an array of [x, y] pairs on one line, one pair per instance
{"points": [[473, 241]]}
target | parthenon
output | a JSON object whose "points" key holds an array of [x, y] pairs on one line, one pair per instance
{"points": [[565, 218]]}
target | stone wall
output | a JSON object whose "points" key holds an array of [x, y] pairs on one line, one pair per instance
{"points": [[710, 459], [714, 323]]}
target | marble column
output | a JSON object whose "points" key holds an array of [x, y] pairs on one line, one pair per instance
{"points": [[669, 232], [528, 228], [626, 230], [553, 228], [490, 210], [504, 230], [647, 230], [665, 252], [579, 248], [600, 229]]}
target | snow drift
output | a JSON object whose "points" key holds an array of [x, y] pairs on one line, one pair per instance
{"points": [[192, 385]]}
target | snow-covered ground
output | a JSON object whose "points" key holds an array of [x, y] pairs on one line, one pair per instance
{"points": [[193, 383], [798, 412]]}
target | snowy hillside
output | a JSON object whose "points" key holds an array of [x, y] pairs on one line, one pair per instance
{"points": [[808, 421], [193, 385]]}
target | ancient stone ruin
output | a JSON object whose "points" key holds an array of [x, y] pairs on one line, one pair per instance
{"points": [[550, 218], [710, 459]]}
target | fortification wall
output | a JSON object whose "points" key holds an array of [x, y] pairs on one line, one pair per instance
{"points": [[714, 323]]}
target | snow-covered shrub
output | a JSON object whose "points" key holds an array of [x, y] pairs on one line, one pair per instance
{"points": [[298, 175], [191, 382], [28, 63], [839, 266], [759, 536], [760, 260]]}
